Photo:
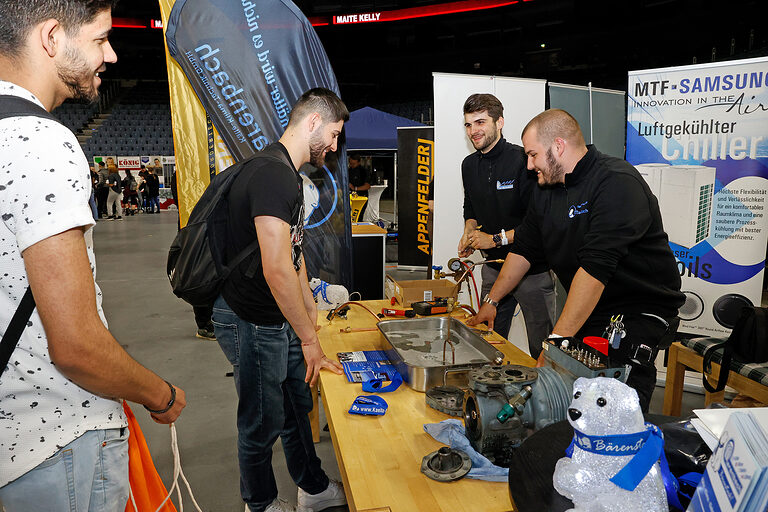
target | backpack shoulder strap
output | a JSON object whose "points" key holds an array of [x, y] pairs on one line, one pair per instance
{"points": [[15, 328], [13, 106]]}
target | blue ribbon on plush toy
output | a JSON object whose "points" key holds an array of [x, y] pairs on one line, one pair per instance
{"points": [[321, 288], [646, 446]]}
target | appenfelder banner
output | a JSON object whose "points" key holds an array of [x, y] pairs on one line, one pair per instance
{"points": [[699, 136]]}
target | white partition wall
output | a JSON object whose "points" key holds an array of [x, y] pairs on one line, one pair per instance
{"points": [[522, 100]]}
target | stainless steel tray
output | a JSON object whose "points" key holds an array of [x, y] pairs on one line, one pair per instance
{"points": [[424, 359]]}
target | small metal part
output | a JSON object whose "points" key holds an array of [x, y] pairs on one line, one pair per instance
{"points": [[446, 464], [446, 399]]}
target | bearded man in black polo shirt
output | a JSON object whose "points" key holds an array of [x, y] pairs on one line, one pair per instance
{"points": [[266, 324], [594, 220], [497, 188]]}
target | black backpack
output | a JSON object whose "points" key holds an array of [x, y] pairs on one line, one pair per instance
{"points": [[748, 343], [197, 265], [13, 106]]}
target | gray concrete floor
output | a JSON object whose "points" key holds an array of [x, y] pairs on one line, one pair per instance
{"points": [[158, 330]]}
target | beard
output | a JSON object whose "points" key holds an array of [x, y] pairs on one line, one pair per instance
{"points": [[77, 76], [555, 171], [490, 137], [317, 151]]}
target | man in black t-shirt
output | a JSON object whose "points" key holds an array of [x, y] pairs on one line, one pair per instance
{"points": [[265, 319], [594, 220]]}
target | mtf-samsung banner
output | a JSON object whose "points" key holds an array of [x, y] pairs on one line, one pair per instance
{"points": [[248, 62], [699, 136], [415, 171]]}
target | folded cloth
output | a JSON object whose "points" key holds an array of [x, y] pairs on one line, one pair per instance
{"points": [[451, 432]]}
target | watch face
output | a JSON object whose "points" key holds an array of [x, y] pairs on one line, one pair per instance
{"points": [[497, 239]]}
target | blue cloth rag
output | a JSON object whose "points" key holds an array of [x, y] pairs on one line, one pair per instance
{"points": [[451, 432]]}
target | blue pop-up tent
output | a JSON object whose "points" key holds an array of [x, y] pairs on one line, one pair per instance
{"points": [[369, 129], [372, 130]]}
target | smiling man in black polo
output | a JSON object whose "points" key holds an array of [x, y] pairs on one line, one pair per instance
{"points": [[497, 188]]}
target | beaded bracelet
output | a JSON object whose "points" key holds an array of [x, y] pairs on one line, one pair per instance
{"points": [[170, 402]]}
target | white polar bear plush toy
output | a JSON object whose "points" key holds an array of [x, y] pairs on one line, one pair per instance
{"points": [[603, 409], [328, 296]]}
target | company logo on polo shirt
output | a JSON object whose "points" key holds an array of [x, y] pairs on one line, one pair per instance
{"points": [[505, 185], [578, 209]]}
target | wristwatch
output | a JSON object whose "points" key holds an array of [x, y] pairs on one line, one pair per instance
{"points": [[497, 239], [489, 300]]}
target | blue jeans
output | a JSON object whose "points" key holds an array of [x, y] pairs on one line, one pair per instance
{"points": [[92, 204], [90, 474], [274, 401], [154, 202]]}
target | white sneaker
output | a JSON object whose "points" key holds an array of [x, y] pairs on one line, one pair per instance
{"points": [[332, 496], [278, 505]]}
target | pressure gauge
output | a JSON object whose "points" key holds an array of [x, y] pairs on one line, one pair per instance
{"points": [[454, 264]]}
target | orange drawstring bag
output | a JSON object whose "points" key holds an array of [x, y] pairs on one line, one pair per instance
{"points": [[147, 488]]}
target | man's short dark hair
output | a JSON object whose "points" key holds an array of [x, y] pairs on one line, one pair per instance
{"points": [[482, 103], [354, 157], [101, 163], [18, 17], [324, 102], [554, 123]]}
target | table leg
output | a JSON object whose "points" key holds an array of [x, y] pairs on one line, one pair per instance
{"points": [[711, 398], [314, 416], [673, 389]]}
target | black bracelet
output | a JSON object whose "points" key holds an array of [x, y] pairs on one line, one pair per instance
{"points": [[170, 402]]}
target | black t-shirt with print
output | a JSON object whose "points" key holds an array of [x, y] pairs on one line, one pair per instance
{"points": [[265, 188]]}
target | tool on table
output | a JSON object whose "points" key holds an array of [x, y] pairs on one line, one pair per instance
{"points": [[349, 329], [408, 313], [369, 405], [340, 312], [431, 307]]}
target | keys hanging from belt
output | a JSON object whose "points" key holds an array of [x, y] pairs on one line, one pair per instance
{"points": [[615, 331]]}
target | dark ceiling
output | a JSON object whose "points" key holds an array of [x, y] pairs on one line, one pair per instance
{"points": [[597, 41]]}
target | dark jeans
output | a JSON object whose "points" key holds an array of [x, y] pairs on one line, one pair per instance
{"points": [[274, 401], [640, 329], [154, 203], [203, 316], [101, 200], [536, 295]]}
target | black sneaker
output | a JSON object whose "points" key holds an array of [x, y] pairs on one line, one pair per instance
{"points": [[206, 334], [118, 217]]}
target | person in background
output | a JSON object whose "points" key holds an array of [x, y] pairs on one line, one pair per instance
{"points": [[92, 199], [152, 191], [497, 190], [63, 434], [140, 194], [594, 220], [129, 193], [115, 194], [359, 176], [102, 190]]}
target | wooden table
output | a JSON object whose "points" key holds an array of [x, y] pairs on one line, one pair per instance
{"points": [[380, 456], [682, 358]]}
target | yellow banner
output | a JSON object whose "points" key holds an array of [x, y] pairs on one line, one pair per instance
{"points": [[190, 134]]}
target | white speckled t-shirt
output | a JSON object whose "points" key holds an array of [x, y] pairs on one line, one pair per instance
{"points": [[44, 190]]}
